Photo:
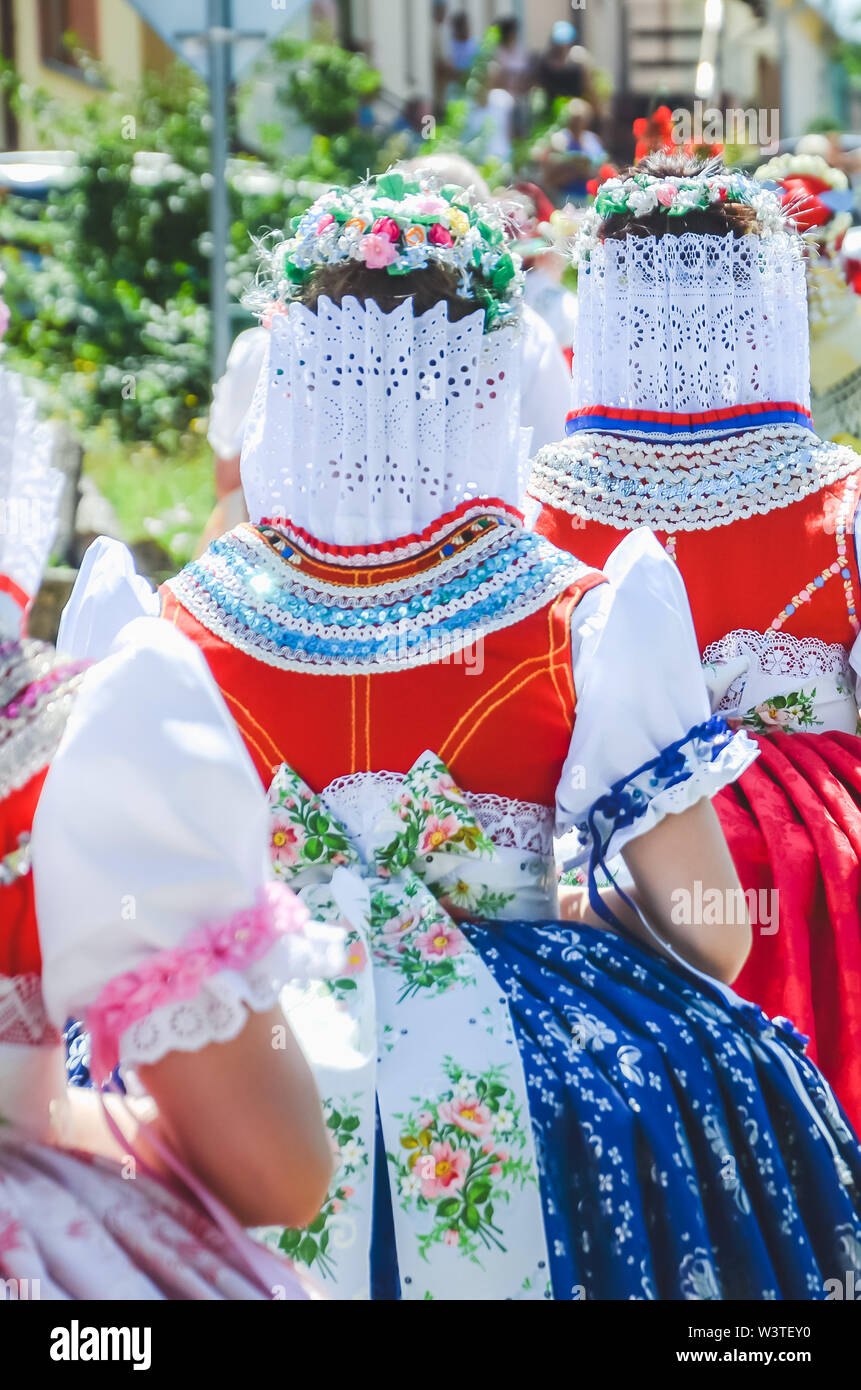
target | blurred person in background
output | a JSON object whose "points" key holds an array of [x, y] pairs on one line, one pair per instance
{"points": [[463, 47], [542, 232], [564, 69], [570, 156], [515, 69], [439, 55], [819, 200], [515, 64], [490, 124]]}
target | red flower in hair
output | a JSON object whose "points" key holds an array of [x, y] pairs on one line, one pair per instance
{"points": [[439, 236], [387, 227]]}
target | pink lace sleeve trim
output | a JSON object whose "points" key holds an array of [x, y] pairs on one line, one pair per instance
{"points": [[173, 976]]}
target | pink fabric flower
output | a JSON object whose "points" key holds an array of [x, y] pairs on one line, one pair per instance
{"points": [[667, 194], [325, 221], [387, 227], [431, 203], [440, 236], [451, 1237], [470, 1115], [450, 1167], [377, 251], [441, 942], [495, 1169], [437, 832], [425, 1119]]}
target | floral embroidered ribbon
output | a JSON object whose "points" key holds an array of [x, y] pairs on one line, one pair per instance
{"points": [[398, 1031]]}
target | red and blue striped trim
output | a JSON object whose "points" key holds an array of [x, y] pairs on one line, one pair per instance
{"points": [[614, 420]]}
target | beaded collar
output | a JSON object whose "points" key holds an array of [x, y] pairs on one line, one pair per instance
{"points": [[296, 612], [686, 485], [36, 695]]}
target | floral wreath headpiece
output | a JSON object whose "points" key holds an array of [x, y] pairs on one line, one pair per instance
{"points": [[400, 223], [640, 194]]}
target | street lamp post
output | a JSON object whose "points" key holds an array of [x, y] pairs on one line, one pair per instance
{"points": [[220, 37]]}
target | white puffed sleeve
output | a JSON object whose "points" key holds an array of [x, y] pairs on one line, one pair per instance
{"points": [[158, 920], [108, 593], [645, 742]]}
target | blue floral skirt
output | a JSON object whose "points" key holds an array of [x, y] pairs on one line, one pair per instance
{"points": [[688, 1148]]}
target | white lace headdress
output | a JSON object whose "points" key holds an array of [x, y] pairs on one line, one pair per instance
{"points": [[369, 426], [29, 498], [692, 323]]}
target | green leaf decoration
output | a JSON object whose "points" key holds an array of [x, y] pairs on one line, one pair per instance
{"points": [[448, 1208], [392, 185], [479, 1191], [308, 1250], [472, 1217]]}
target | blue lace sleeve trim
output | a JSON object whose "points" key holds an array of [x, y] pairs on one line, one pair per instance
{"points": [[630, 798]]}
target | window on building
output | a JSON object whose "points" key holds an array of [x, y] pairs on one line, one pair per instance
{"points": [[60, 18]]}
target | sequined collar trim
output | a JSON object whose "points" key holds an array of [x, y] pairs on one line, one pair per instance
{"points": [[297, 614], [36, 695], [625, 482], [389, 552]]}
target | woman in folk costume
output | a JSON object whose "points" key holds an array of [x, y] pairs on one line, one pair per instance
{"points": [[566, 1108], [74, 1225], [693, 417], [820, 202]]}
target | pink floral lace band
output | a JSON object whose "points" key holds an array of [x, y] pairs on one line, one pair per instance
{"points": [[172, 976]]}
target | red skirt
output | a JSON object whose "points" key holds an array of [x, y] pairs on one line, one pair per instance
{"points": [[793, 823]]}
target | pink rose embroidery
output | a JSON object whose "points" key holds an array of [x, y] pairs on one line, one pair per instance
{"points": [[357, 958], [441, 942], [470, 1115], [285, 843], [449, 1170], [437, 833], [401, 926]]}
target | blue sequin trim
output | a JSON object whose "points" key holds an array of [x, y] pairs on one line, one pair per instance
{"points": [[241, 593]]}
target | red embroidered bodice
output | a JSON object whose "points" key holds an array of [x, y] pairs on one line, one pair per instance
{"points": [[501, 717], [794, 569]]}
